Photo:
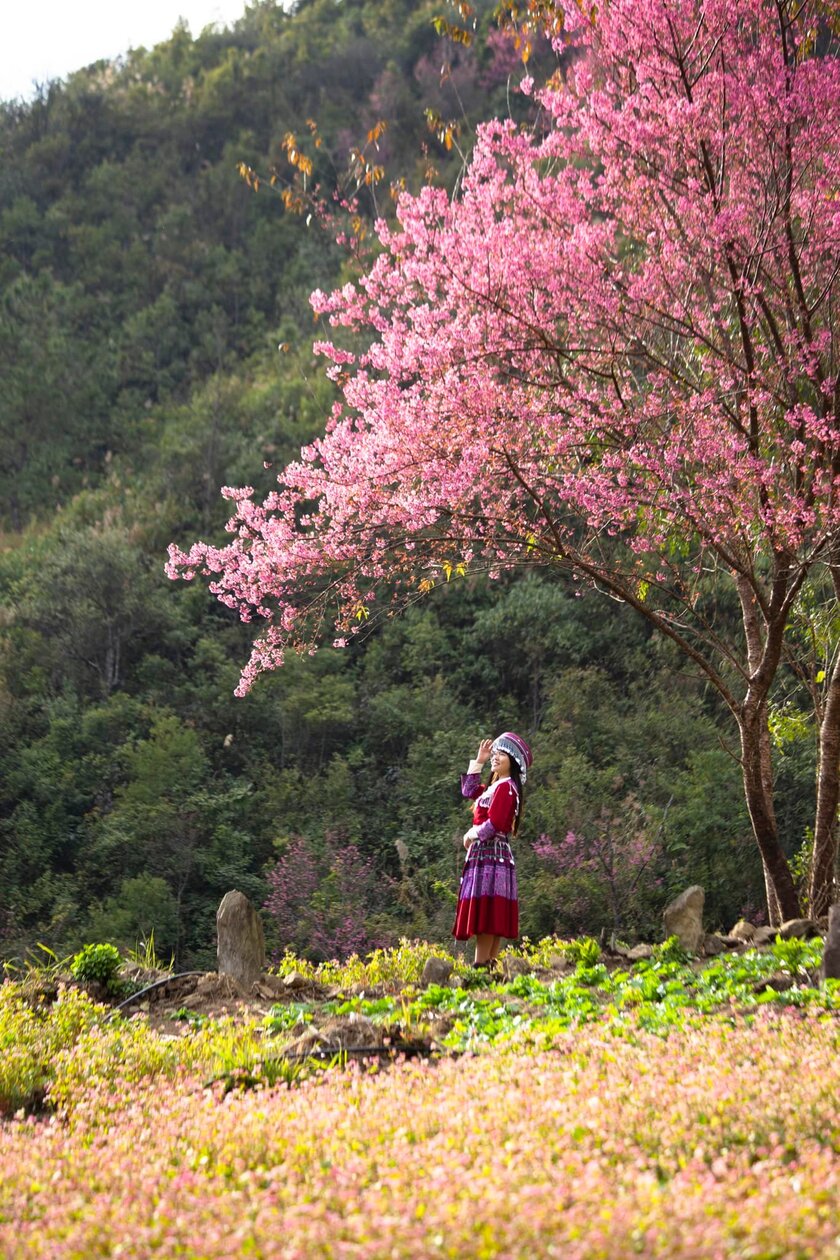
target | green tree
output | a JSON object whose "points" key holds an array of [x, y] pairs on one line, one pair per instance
{"points": [[95, 603], [57, 379]]}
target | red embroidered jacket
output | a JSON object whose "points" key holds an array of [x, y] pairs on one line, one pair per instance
{"points": [[495, 806]]}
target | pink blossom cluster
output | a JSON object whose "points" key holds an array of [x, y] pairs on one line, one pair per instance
{"points": [[616, 853], [720, 1140], [608, 851], [620, 329], [316, 897]]}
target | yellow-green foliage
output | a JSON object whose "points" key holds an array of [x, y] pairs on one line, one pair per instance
{"points": [[58, 1054], [121, 1054], [401, 964], [32, 1037], [541, 953]]}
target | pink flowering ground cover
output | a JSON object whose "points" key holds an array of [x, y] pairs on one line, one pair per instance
{"points": [[720, 1140]]}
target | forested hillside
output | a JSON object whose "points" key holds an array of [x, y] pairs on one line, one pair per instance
{"points": [[146, 289]]}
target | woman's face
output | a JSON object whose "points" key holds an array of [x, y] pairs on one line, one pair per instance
{"points": [[500, 764]]}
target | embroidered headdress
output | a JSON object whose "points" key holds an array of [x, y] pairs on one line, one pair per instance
{"points": [[515, 746]]}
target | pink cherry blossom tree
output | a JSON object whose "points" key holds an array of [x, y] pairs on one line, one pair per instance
{"points": [[613, 351]]}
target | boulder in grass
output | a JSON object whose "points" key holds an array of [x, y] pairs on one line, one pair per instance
{"points": [[830, 969], [632, 952], [714, 944], [437, 971], [294, 980], [513, 965], [743, 931], [683, 918], [797, 929], [241, 942], [271, 986], [765, 935]]}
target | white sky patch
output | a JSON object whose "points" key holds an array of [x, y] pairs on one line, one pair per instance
{"points": [[49, 39]]}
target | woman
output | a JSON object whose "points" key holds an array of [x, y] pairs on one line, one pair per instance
{"points": [[488, 900]]}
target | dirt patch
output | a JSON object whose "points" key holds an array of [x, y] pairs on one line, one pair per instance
{"points": [[350, 1031], [358, 1037], [207, 993], [215, 996]]}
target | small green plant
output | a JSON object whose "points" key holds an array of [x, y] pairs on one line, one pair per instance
{"points": [[476, 978], [193, 1018], [270, 1072], [796, 956], [97, 964], [145, 955], [671, 950], [287, 1015], [584, 952], [541, 953], [590, 977]]}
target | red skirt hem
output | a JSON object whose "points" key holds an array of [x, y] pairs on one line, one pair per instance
{"points": [[491, 916]]}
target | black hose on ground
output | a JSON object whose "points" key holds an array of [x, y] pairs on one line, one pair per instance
{"points": [[156, 985]]}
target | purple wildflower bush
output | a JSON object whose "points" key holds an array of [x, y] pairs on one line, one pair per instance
{"points": [[719, 1140], [604, 874], [322, 898]]}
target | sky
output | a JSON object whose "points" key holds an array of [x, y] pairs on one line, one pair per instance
{"points": [[48, 39]]}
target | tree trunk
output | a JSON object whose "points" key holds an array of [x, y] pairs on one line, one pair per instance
{"points": [[824, 856], [774, 910], [782, 901]]}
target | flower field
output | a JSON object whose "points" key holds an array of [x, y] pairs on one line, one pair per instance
{"points": [[717, 1136]]}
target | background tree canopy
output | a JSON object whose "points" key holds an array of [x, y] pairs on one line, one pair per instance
{"points": [[146, 289]]}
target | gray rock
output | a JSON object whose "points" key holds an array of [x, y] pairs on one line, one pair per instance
{"points": [[271, 985], [294, 980], [241, 943], [743, 931], [514, 966], [264, 991], [714, 944], [437, 971], [191, 1001], [633, 952], [830, 969], [800, 929], [765, 935], [683, 918], [560, 963]]}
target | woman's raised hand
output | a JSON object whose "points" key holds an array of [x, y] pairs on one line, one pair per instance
{"points": [[484, 750]]}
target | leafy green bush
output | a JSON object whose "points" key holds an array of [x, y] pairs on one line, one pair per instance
{"points": [[32, 1037], [583, 952], [97, 964], [117, 1055], [401, 964], [671, 950], [797, 956], [539, 952]]}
